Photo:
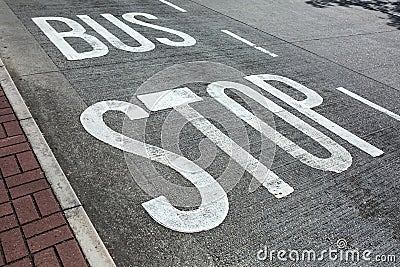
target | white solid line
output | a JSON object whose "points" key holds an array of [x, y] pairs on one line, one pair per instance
{"points": [[249, 43], [369, 103], [172, 5]]}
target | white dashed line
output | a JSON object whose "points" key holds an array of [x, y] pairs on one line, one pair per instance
{"points": [[249, 43], [172, 5], [369, 103]]}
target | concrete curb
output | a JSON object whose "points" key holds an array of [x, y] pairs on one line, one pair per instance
{"points": [[87, 236]]}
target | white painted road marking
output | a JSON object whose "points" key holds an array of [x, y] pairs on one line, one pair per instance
{"points": [[339, 160], [145, 44], [179, 100], [249, 43], [369, 103], [187, 39], [77, 31], [173, 6], [214, 205], [168, 99], [265, 176], [99, 49], [238, 37], [214, 201]]}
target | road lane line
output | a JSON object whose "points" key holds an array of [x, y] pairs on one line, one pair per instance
{"points": [[369, 103], [238, 37], [266, 51], [172, 5], [249, 43]]}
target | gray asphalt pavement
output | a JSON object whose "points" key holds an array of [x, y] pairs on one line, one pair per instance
{"points": [[321, 48]]}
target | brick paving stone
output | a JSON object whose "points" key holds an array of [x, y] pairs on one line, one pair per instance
{"points": [[26, 262], [27, 161], [7, 118], [46, 258], [6, 111], [3, 193], [24, 178], [44, 224], [2, 132], [9, 166], [12, 140], [28, 188], [5, 209], [4, 102], [8, 222], [25, 209], [14, 149], [13, 245], [50, 238], [12, 128], [70, 254], [46, 202]]}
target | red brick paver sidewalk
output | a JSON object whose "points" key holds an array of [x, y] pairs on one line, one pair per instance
{"points": [[33, 229]]}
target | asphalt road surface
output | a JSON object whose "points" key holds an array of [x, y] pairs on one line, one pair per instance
{"points": [[270, 128]]}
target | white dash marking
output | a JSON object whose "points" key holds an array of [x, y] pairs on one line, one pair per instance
{"points": [[173, 6], [266, 51], [369, 103], [249, 43], [238, 37]]}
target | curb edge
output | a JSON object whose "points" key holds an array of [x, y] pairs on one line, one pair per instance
{"points": [[90, 242]]}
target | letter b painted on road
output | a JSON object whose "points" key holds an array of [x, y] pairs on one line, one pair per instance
{"points": [[77, 31]]}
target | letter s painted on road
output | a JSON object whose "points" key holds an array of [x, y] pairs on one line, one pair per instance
{"points": [[214, 201]]}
